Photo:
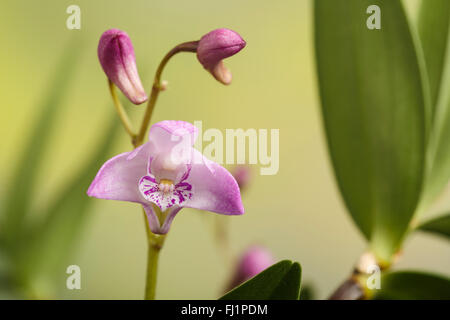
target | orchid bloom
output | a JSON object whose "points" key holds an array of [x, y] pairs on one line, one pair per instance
{"points": [[167, 174], [116, 55], [215, 46]]}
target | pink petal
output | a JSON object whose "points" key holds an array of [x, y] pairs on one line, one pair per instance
{"points": [[214, 188], [169, 133], [153, 220], [118, 178]]}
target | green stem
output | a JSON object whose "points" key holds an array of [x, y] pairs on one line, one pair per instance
{"points": [[221, 234], [152, 270], [155, 244], [156, 88], [121, 111]]}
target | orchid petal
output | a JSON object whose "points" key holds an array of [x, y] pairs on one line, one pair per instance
{"points": [[214, 188], [167, 134], [153, 220], [117, 178]]}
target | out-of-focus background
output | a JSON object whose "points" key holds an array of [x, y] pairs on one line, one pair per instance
{"points": [[297, 213]]}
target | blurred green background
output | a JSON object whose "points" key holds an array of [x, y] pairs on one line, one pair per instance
{"points": [[297, 214]]}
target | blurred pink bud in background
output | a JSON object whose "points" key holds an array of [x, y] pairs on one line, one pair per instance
{"points": [[242, 174], [255, 260]]}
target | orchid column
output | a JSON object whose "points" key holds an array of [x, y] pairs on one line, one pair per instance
{"points": [[166, 173]]}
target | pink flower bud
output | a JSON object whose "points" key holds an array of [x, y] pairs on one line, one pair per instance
{"points": [[255, 260], [116, 55], [215, 46], [242, 174]]}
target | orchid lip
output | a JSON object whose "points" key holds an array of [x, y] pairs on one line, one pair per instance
{"points": [[164, 193]]}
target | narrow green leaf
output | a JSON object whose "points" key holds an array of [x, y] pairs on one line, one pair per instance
{"points": [[23, 179], [409, 285], [308, 292], [53, 240], [278, 282], [440, 226], [433, 27], [434, 31], [289, 286], [374, 110]]}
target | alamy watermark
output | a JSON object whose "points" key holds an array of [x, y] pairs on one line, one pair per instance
{"points": [[231, 146], [73, 281], [374, 20], [73, 21]]}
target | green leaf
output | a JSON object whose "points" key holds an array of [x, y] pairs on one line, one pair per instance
{"points": [[308, 293], [409, 285], [23, 179], [434, 31], [278, 282], [433, 27], [440, 225], [52, 242], [374, 110]]}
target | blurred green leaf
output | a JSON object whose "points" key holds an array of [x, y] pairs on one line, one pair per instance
{"points": [[53, 240], [23, 179], [278, 282], [440, 225], [409, 285], [308, 292], [434, 31], [374, 110], [433, 27]]}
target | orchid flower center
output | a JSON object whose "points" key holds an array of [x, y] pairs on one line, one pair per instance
{"points": [[166, 185], [167, 170]]}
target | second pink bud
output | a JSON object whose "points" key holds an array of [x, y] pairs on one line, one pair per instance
{"points": [[215, 46]]}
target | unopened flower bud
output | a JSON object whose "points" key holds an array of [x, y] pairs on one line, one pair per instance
{"points": [[116, 55], [242, 174], [255, 260], [215, 46]]}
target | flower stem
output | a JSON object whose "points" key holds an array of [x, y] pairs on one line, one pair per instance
{"points": [[152, 271], [155, 244], [221, 235], [121, 111], [154, 247], [156, 88]]}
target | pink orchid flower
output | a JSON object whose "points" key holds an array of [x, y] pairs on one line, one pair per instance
{"points": [[167, 174]]}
